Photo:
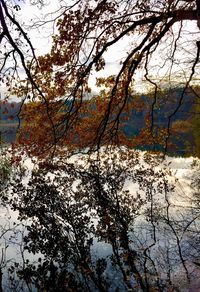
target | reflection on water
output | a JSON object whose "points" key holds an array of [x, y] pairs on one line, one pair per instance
{"points": [[128, 222], [8, 132]]}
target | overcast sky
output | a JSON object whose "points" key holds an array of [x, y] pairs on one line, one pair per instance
{"points": [[41, 40]]}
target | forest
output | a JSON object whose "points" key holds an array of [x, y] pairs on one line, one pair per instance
{"points": [[184, 142], [99, 145]]}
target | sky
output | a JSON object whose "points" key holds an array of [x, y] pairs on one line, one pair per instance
{"points": [[41, 40]]}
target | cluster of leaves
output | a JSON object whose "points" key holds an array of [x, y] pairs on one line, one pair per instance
{"points": [[5, 169], [8, 111], [86, 30], [83, 130], [136, 118], [63, 226]]}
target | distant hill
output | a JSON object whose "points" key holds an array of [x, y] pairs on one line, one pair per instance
{"points": [[171, 104], [8, 121], [9, 112], [164, 106]]}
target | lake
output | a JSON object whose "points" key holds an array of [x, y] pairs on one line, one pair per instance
{"points": [[8, 132], [67, 223]]}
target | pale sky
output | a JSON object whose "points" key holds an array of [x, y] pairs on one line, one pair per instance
{"points": [[41, 40]]}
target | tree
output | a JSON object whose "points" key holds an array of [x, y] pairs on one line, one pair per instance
{"points": [[59, 109], [86, 31]]}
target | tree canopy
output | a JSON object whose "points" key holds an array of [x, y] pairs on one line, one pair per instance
{"points": [[125, 203], [159, 39]]}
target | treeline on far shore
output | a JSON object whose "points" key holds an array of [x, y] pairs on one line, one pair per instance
{"points": [[185, 124]]}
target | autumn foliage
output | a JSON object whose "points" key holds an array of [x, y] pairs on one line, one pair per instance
{"points": [[58, 106]]}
